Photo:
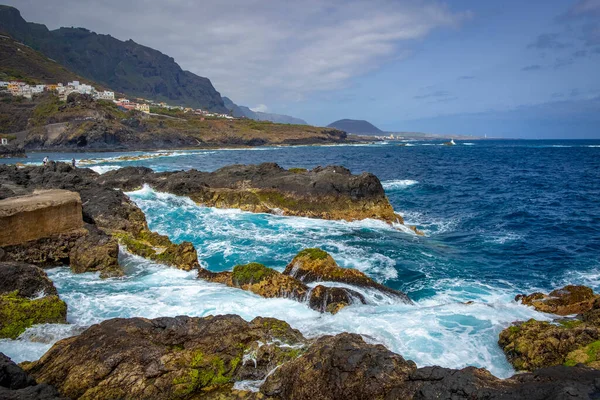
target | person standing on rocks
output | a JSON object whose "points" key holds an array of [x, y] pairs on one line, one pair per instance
{"points": [[73, 162], [45, 161]]}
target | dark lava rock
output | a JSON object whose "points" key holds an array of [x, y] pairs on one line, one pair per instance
{"points": [[345, 367], [16, 384], [316, 265], [12, 376], [328, 193], [339, 367], [333, 299], [12, 151], [96, 251], [28, 280]]}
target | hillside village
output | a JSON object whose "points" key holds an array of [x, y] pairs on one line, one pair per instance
{"points": [[23, 89]]}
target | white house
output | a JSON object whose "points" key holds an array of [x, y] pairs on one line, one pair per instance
{"points": [[4, 141], [105, 95], [38, 89]]}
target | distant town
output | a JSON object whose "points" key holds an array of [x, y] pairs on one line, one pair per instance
{"points": [[22, 89]]}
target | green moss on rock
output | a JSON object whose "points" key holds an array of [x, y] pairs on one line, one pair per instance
{"points": [[18, 313], [159, 248], [250, 273], [313, 254]]}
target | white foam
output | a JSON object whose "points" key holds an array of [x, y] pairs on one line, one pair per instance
{"points": [[469, 144], [102, 169], [398, 184], [503, 237], [437, 331], [429, 224]]}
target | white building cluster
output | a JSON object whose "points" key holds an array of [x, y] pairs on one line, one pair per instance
{"points": [[17, 88]]}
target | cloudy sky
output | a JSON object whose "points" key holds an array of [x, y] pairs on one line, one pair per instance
{"points": [[502, 68]]}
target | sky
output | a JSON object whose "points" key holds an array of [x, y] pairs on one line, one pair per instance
{"points": [[513, 69]]}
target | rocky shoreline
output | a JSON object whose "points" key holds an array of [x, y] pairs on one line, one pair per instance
{"points": [[225, 357]]}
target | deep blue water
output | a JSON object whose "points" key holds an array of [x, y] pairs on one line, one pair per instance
{"points": [[501, 217]]}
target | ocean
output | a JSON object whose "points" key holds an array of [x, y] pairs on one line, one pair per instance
{"points": [[500, 218]]}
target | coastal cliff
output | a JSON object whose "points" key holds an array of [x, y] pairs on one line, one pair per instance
{"points": [[81, 123]]}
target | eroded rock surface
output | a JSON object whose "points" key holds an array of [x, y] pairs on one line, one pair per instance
{"points": [[193, 358], [39, 215], [28, 280], [328, 193], [95, 251], [339, 367], [316, 265], [269, 283], [167, 358], [565, 341], [108, 214], [570, 299]]}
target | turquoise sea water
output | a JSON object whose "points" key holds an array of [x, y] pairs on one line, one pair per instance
{"points": [[501, 218]]}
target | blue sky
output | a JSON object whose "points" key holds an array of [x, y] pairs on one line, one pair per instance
{"points": [[502, 68]]}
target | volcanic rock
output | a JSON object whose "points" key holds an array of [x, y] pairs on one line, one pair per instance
{"points": [[28, 280], [106, 211], [570, 299], [328, 193], [316, 265], [39, 215], [15, 384], [537, 344], [166, 358], [96, 251], [269, 283], [333, 299], [345, 367], [339, 367]]}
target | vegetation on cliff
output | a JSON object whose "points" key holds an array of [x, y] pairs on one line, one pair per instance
{"points": [[83, 123]]}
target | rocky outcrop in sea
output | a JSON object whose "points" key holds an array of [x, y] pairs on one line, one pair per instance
{"points": [[331, 192], [570, 341]]}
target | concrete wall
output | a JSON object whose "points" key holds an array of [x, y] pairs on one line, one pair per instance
{"points": [[39, 215]]}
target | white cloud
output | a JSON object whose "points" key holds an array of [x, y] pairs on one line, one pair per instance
{"points": [[260, 108], [254, 50]]}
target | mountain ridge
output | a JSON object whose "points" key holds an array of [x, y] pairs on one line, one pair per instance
{"points": [[358, 126], [243, 111], [124, 66]]}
